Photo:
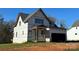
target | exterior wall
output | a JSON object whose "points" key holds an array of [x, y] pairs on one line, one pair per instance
{"points": [[56, 31], [31, 22], [37, 15], [71, 34], [21, 38], [47, 39]]}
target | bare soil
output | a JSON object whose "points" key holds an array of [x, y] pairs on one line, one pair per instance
{"points": [[40, 47]]}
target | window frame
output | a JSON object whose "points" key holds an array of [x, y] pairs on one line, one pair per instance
{"points": [[16, 34], [22, 32], [75, 33], [39, 21], [19, 23]]}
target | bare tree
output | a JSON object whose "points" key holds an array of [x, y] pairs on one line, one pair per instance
{"points": [[76, 23], [63, 24], [6, 30]]}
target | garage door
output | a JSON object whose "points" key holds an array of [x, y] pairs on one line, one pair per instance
{"points": [[57, 37]]}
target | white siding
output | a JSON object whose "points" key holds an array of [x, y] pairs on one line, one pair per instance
{"points": [[19, 29], [71, 34]]}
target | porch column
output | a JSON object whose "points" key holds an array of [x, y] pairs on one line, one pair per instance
{"points": [[36, 35], [47, 35], [33, 35]]}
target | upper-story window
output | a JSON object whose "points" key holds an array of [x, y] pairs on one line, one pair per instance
{"points": [[19, 23], [16, 34], [52, 24], [76, 27], [39, 21]]}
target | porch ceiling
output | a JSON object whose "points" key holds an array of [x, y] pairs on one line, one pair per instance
{"points": [[39, 27]]}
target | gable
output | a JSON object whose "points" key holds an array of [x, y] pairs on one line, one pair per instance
{"points": [[21, 16], [39, 13], [19, 21]]}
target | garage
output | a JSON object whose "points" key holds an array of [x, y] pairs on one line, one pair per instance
{"points": [[58, 37]]}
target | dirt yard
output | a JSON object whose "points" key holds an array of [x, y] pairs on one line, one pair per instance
{"points": [[40, 47]]}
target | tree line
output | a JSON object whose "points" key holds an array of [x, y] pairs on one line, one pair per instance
{"points": [[6, 31]]}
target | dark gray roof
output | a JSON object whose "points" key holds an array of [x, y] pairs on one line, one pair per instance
{"points": [[25, 17], [50, 19]]}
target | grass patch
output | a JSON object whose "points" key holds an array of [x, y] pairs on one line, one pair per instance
{"points": [[28, 44], [77, 49], [40, 45]]}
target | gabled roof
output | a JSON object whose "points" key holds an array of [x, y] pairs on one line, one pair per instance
{"points": [[36, 12], [25, 17]]}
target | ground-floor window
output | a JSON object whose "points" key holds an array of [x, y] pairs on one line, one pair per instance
{"points": [[16, 34], [22, 32], [75, 33]]}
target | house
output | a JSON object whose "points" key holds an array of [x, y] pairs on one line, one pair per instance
{"points": [[37, 27], [73, 32]]}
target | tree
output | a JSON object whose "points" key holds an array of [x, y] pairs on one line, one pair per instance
{"points": [[63, 24], [76, 23], [10, 26], [6, 31]]}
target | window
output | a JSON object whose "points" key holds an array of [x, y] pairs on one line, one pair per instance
{"points": [[52, 24], [16, 34], [39, 21], [75, 33], [20, 23], [76, 27], [22, 32]]}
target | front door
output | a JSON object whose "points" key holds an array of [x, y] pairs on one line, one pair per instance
{"points": [[41, 35]]}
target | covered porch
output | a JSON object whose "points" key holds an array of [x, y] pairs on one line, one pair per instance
{"points": [[39, 33]]}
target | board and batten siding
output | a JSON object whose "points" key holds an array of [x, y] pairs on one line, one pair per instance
{"points": [[37, 15], [31, 22], [73, 34], [20, 32]]}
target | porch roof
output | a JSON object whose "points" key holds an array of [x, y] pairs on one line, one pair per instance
{"points": [[61, 28], [39, 27]]}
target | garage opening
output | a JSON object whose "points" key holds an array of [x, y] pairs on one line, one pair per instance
{"points": [[58, 37]]}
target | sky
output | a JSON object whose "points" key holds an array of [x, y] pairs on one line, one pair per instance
{"points": [[70, 15]]}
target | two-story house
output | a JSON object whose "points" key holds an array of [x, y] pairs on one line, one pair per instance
{"points": [[37, 27]]}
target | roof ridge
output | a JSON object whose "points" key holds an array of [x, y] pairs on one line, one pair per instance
{"points": [[22, 15], [31, 15], [35, 12]]}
